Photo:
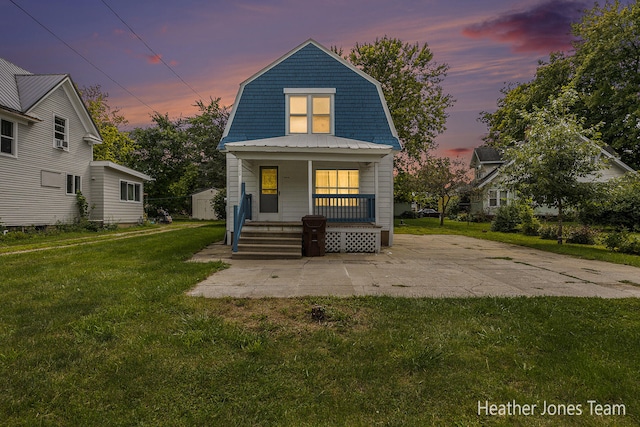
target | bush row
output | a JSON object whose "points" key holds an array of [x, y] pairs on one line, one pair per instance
{"points": [[515, 218]]}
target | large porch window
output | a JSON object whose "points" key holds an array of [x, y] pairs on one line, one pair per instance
{"points": [[337, 181]]}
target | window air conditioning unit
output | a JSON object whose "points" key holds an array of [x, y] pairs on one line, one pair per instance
{"points": [[60, 143]]}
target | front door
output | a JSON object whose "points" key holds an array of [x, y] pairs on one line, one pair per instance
{"points": [[268, 189]]}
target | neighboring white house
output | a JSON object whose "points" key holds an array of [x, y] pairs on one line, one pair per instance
{"points": [[201, 207], [490, 192], [46, 152], [311, 134]]}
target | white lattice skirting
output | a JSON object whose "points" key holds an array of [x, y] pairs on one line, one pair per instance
{"points": [[352, 239]]}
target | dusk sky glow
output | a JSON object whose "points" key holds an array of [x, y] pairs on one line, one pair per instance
{"points": [[207, 48]]}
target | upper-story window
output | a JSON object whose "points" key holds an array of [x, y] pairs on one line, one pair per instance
{"points": [[60, 133], [309, 111], [7, 137]]}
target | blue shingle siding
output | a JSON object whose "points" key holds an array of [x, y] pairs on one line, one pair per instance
{"points": [[359, 113]]}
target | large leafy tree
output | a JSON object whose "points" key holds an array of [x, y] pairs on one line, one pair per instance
{"points": [[411, 83], [553, 164], [607, 62], [181, 155], [605, 72], [507, 122], [116, 145]]}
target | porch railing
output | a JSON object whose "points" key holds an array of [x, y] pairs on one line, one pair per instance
{"points": [[240, 214], [345, 207]]}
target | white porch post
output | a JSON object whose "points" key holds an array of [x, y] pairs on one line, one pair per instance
{"points": [[377, 190], [310, 185], [239, 180]]}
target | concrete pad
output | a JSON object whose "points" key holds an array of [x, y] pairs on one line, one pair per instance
{"points": [[421, 266]]}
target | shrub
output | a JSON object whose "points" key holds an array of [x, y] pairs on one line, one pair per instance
{"points": [[581, 235], [622, 241], [408, 215], [548, 232], [507, 219], [615, 203], [529, 223], [219, 204]]}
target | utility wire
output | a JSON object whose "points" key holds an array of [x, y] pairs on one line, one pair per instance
{"points": [[82, 56], [151, 50]]}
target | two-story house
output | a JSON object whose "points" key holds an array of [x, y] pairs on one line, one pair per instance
{"points": [[311, 134], [490, 192], [46, 156]]}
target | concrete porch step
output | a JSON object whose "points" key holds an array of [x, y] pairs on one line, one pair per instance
{"points": [[250, 233], [265, 255], [269, 240], [265, 240], [270, 248]]}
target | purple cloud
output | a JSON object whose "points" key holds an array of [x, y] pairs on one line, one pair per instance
{"points": [[542, 29]]}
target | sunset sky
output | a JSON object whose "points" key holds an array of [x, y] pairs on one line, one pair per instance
{"points": [[205, 48]]}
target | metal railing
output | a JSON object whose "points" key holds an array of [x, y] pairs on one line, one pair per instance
{"points": [[240, 214], [345, 207]]}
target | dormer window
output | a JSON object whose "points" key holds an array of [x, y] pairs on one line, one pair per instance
{"points": [[309, 111]]}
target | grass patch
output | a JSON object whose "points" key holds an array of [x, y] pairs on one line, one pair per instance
{"points": [[104, 334], [424, 226]]}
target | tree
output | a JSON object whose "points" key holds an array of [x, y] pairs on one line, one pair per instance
{"points": [[411, 83], [181, 156], [205, 131], [605, 72], [607, 62], [616, 203], [441, 177], [552, 164], [507, 122], [116, 145]]}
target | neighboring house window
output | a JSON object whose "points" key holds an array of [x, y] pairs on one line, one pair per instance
{"points": [[309, 112], [340, 181], [498, 198], [7, 138], [74, 184], [130, 191], [60, 133]]}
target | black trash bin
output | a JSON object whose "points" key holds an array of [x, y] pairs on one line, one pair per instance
{"points": [[314, 230]]}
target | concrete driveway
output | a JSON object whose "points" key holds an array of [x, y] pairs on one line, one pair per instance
{"points": [[422, 266]]}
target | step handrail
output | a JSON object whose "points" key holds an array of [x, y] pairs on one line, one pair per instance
{"points": [[240, 214]]}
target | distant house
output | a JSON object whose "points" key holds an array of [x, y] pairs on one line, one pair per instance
{"points": [[46, 156], [311, 134], [201, 207], [489, 192]]}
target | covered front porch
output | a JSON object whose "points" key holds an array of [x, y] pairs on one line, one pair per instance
{"points": [[350, 183]]}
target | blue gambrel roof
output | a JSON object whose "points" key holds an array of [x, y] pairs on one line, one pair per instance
{"points": [[360, 110]]}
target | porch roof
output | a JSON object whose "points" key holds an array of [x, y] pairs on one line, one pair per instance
{"points": [[313, 143]]}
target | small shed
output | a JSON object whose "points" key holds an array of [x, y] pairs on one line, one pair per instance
{"points": [[201, 204]]}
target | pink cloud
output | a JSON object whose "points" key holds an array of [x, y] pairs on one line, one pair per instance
{"points": [[154, 59], [542, 29]]}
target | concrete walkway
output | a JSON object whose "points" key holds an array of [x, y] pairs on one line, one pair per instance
{"points": [[422, 266]]}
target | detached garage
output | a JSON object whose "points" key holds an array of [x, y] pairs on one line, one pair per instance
{"points": [[201, 204]]}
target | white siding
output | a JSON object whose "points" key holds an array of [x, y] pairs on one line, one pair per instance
{"points": [[23, 199], [293, 186], [201, 204], [105, 186]]}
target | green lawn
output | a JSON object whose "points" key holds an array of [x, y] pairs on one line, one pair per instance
{"points": [[103, 334]]}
